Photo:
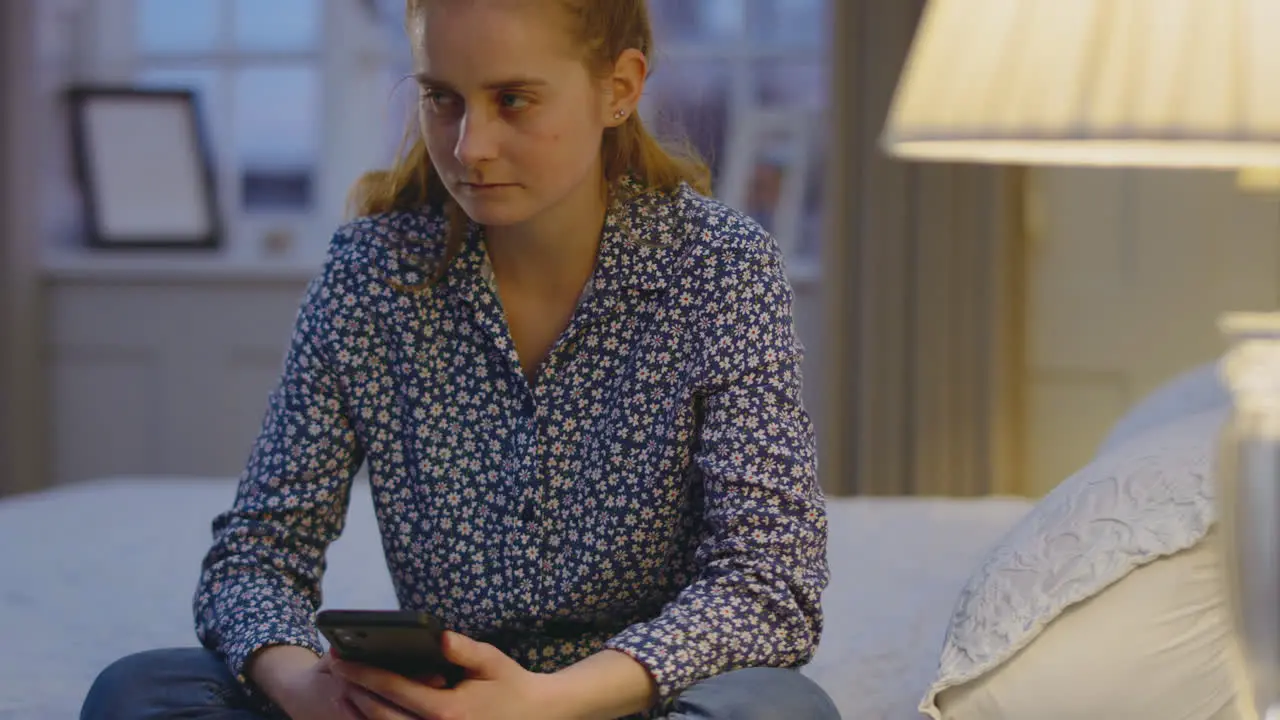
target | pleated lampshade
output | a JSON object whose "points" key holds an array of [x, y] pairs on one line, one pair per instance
{"points": [[1139, 83]]}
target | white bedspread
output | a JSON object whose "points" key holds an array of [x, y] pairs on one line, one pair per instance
{"points": [[97, 571]]}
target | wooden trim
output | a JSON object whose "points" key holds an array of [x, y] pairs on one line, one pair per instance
{"points": [[1010, 468], [889, 211], [22, 399], [837, 419]]}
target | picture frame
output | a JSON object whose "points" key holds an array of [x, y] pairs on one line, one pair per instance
{"points": [[144, 169]]}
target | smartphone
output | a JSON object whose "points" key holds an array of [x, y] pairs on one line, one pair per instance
{"points": [[400, 641]]}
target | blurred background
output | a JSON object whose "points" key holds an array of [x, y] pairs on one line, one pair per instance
{"points": [[298, 97], [158, 360], [969, 330]]}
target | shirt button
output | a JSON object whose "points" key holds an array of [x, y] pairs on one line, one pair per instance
{"points": [[529, 514]]}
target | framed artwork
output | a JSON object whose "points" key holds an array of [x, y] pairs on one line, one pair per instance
{"points": [[766, 170], [143, 168]]}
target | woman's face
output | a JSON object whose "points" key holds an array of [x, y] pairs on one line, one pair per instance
{"points": [[511, 116]]}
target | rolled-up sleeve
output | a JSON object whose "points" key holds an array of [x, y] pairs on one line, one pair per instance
{"points": [[260, 581], [757, 600]]}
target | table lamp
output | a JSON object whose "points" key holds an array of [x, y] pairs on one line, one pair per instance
{"points": [[1132, 83]]}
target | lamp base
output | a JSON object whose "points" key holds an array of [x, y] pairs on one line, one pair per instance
{"points": [[1248, 498]]}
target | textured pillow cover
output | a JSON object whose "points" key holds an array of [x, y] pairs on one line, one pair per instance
{"points": [[1158, 644], [1149, 498]]}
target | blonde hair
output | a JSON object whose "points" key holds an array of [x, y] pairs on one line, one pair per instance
{"points": [[605, 28]]}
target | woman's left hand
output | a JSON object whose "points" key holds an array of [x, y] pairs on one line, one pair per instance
{"points": [[496, 687]]}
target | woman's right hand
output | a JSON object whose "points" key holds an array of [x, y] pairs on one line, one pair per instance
{"points": [[302, 685]]}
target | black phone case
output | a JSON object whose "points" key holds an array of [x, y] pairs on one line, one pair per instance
{"points": [[399, 641]]}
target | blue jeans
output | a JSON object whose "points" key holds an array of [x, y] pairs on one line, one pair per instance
{"points": [[194, 684]]}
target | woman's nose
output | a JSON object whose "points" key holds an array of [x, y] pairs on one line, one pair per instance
{"points": [[477, 140]]}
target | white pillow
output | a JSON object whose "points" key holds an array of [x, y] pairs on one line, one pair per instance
{"points": [[1189, 393], [1149, 498], [1156, 645]]}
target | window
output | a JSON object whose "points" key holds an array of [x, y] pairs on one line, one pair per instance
{"points": [[256, 67], [720, 66], [301, 96], [286, 101], [745, 81]]}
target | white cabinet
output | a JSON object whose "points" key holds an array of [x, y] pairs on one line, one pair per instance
{"points": [[166, 369], [164, 375]]}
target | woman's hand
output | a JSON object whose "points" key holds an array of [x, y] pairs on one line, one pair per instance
{"points": [[495, 688], [304, 686]]}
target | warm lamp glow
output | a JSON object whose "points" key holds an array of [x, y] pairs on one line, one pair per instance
{"points": [[1259, 180], [1133, 83], [1151, 83]]}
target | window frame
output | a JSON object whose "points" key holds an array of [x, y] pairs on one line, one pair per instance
{"points": [[346, 56], [804, 256], [358, 67], [742, 55]]}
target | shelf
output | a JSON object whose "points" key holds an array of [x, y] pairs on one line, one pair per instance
{"points": [[149, 266]]}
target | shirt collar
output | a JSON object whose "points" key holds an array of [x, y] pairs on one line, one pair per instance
{"points": [[640, 248], [641, 244]]}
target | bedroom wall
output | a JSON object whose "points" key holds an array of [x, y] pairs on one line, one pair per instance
{"points": [[1125, 279], [892, 419], [21, 407], [162, 366], [1128, 273]]}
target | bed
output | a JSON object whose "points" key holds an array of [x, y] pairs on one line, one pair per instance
{"points": [[102, 569]]}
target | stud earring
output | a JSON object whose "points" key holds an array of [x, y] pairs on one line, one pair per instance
{"points": [[620, 114]]}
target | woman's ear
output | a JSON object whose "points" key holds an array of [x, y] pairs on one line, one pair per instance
{"points": [[625, 87]]}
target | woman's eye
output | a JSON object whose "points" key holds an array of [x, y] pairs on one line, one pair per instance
{"points": [[512, 101], [437, 99]]}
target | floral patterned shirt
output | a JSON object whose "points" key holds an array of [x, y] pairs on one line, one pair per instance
{"points": [[653, 492]]}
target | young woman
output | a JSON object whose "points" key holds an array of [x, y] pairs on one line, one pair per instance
{"points": [[575, 384]]}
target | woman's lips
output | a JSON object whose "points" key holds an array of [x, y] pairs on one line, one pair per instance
{"points": [[485, 187]]}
